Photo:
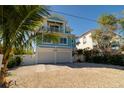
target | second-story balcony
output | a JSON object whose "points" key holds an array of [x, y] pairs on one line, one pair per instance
{"points": [[55, 29]]}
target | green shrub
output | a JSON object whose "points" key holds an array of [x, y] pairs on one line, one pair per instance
{"points": [[95, 56], [14, 61], [97, 59], [11, 63], [116, 60], [18, 60], [108, 59]]}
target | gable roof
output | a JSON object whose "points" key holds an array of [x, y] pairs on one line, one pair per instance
{"points": [[86, 33]]}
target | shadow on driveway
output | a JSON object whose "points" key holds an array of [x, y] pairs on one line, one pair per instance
{"points": [[78, 65], [87, 65]]}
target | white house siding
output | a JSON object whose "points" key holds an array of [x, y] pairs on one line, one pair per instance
{"points": [[53, 55], [28, 59], [89, 42]]}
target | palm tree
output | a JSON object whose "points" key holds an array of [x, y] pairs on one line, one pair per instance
{"points": [[121, 28], [19, 25], [108, 22], [108, 25], [96, 36]]}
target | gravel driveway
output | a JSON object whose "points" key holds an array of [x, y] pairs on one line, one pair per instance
{"points": [[68, 75]]}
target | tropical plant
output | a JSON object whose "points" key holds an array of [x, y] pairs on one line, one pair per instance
{"points": [[103, 36], [22, 51], [96, 36], [122, 48], [14, 61], [54, 38], [19, 25], [108, 22], [18, 60], [121, 22], [79, 52], [121, 27], [11, 63]]}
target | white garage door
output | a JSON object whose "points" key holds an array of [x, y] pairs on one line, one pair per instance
{"points": [[64, 55], [54, 55]]}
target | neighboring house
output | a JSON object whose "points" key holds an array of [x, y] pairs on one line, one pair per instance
{"points": [[50, 52], [85, 41], [117, 42]]}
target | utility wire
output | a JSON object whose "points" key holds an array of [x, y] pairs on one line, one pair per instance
{"points": [[79, 17]]}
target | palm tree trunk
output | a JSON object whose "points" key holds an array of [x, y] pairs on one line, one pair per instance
{"points": [[3, 72]]}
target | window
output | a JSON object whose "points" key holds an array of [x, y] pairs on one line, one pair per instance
{"points": [[63, 40], [54, 28], [84, 40]]}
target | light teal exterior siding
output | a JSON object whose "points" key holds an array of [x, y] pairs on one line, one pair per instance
{"points": [[71, 42], [64, 29]]}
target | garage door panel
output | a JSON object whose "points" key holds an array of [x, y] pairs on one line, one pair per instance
{"points": [[54, 55], [63, 57], [45, 56]]}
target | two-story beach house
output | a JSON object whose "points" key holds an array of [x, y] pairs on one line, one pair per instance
{"points": [[50, 52], [85, 41]]}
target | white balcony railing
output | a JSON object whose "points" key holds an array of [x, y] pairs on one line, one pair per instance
{"points": [[55, 29]]}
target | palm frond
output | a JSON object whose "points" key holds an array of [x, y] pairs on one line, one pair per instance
{"points": [[20, 22]]}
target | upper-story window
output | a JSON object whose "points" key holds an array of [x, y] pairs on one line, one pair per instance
{"points": [[84, 40], [63, 40], [55, 26]]}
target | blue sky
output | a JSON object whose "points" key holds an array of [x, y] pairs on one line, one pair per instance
{"points": [[80, 26]]}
